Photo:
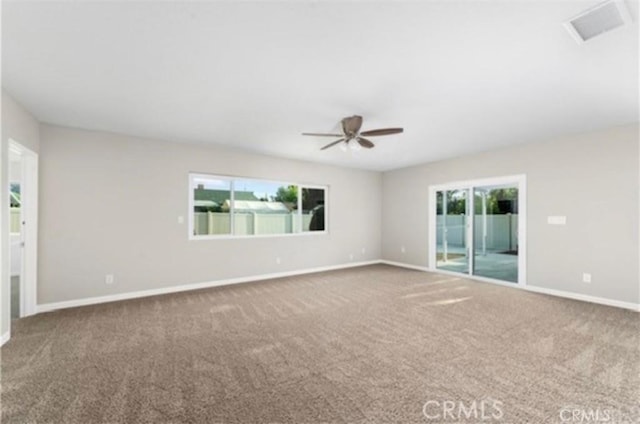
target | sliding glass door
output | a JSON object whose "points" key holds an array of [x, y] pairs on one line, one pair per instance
{"points": [[452, 228], [495, 249], [479, 228]]}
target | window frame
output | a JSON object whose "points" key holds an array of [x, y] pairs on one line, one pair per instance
{"points": [[232, 179]]}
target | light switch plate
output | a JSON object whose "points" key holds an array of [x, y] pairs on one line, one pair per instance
{"points": [[557, 220]]}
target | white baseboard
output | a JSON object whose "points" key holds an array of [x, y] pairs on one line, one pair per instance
{"points": [[47, 307], [5, 338], [403, 265], [536, 289], [585, 298]]}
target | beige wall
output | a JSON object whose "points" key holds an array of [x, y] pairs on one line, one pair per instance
{"points": [[109, 204], [591, 178], [18, 125]]}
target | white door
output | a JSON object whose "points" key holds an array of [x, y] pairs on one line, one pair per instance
{"points": [[24, 241]]}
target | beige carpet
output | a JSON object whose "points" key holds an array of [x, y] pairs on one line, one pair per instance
{"points": [[365, 345]]}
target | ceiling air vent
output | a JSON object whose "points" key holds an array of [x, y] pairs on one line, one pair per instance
{"points": [[599, 19]]}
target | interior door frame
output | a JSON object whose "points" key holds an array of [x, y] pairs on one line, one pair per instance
{"points": [[29, 230], [520, 181]]}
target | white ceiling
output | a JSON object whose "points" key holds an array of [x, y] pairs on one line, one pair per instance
{"points": [[459, 76]]}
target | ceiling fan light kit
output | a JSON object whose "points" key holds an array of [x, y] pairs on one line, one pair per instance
{"points": [[351, 126]]}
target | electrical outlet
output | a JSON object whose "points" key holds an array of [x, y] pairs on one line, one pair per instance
{"points": [[586, 278], [181, 219], [402, 249], [351, 256], [109, 279], [364, 250], [278, 261]]}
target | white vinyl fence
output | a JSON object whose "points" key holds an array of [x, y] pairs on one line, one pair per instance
{"points": [[501, 231], [209, 223]]}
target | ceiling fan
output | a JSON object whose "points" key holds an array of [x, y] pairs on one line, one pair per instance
{"points": [[351, 131]]}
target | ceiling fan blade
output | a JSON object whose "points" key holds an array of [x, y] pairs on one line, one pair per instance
{"points": [[365, 143], [382, 131], [351, 125], [333, 144], [323, 134]]}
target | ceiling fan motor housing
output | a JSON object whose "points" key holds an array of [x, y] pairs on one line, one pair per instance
{"points": [[351, 129]]}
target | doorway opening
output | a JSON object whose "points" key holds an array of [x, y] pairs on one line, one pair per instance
{"points": [[478, 228], [23, 229]]}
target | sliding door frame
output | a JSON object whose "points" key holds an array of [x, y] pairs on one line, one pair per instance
{"points": [[519, 181]]}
